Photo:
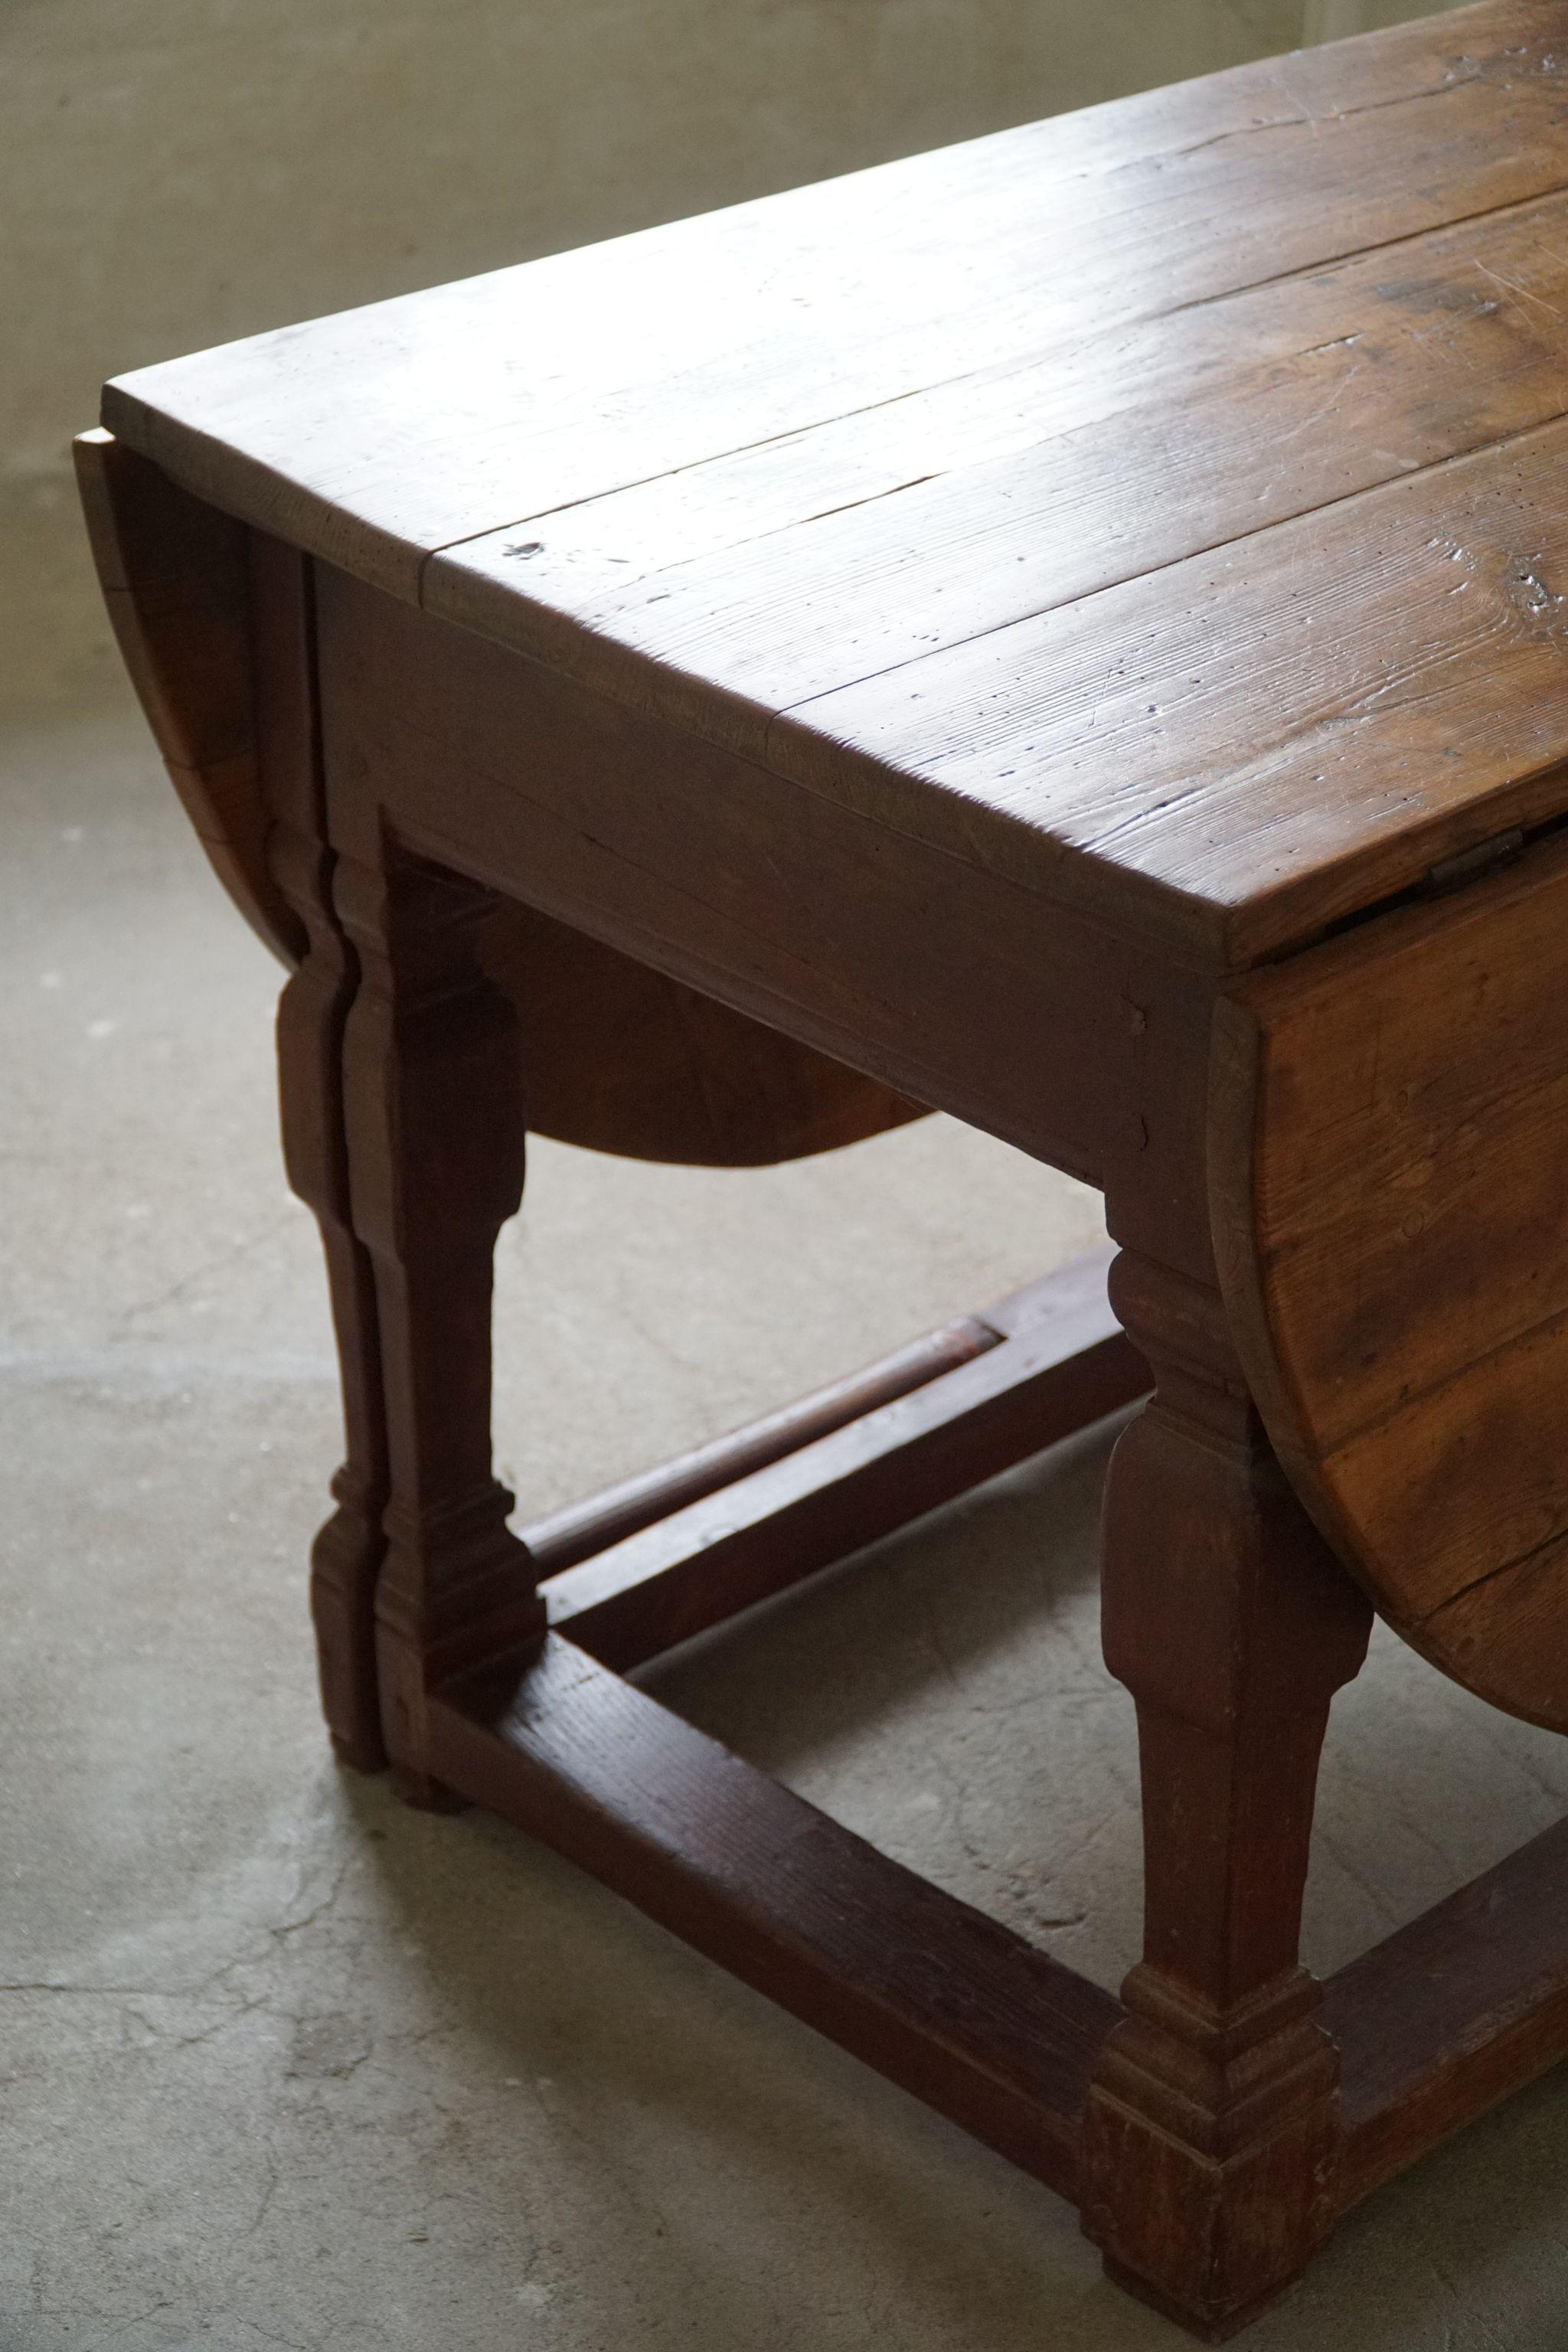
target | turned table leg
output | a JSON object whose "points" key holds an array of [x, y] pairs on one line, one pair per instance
{"points": [[1212, 2128], [346, 1557], [434, 1120]]}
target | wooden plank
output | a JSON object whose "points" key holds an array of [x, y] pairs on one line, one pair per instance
{"points": [[582, 1529], [790, 571], [1228, 729], [1066, 1367], [1452, 2013], [1039, 659], [1388, 1116], [1272, 736], [1420, 1064], [951, 984], [375, 436], [942, 2000], [620, 1058], [176, 580], [1417, 313]]}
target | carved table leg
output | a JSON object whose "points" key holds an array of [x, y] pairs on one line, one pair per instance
{"points": [[346, 1557], [1212, 2128], [434, 1126]]}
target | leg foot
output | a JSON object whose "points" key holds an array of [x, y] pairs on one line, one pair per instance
{"points": [[345, 1560], [423, 1794], [1202, 2331]]}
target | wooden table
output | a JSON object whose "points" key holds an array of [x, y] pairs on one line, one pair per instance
{"points": [[1070, 630]]}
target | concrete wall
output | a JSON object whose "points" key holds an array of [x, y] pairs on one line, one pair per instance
{"points": [[174, 173], [1333, 20]]}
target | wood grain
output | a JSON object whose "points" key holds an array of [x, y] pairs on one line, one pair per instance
{"points": [[176, 577], [1208, 583], [909, 642], [1446, 340], [1211, 2134], [882, 539], [1446, 2017], [1066, 1365], [953, 985], [579, 1531], [346, 1557], [959, 2010], [499, 397], [619, 1057], [1390, 1115], [1255, 743]]}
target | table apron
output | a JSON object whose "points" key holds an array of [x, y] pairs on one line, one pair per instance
{"points": [[940, 977]]}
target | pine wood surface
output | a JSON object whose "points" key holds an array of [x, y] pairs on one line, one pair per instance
{"points": [[1449, 2014], [997, 2033], [580, 1531], [1390, 1114], [175, 576], [1142, 504], [620, 1058], [1057, 1360], [910, 641], [944, 982]]}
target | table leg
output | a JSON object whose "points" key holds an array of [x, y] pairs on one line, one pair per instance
{"points": [[346, 1557], [434, 1119], [290, 814], [1212, 2131]]}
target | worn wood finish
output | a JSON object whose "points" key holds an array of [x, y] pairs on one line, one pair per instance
{"points": [[1073, 714], [1450, 2015], [701, 1107], [965, 2013], [1212, 2131], [1390, 1114], [345, 1560], [1259, 742], [576, 1533], [434, 1126], [1124, 449], [1433, 2026], [176, 577], [950, 985], [1150, 602], [492, 401], [958, 637], [1064, 1365], [619, 1057]]}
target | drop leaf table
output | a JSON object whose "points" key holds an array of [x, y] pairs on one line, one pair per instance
{"points": [[1070, 630]]}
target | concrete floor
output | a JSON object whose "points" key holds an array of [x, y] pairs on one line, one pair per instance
{"points": [[287, 2065]]}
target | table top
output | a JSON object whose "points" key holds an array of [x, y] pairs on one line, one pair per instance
{"points": [[1164, 506]]}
